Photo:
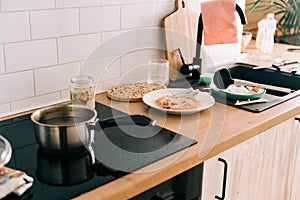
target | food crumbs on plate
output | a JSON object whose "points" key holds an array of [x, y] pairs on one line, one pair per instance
{"points": [[177, 103], [255, 89]]}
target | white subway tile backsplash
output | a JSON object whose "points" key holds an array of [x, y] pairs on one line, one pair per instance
{"points": [[110, 83], [151, 37], [99, 19], [142, 15], [65, 95], [134, 65], [156, 1], [135, 59], [122, 42], [35, 102], [100, 69], [15, 5], [54, 23], [99, 88], [195, 5], [117, 44], [77, 47], [29, 55], [4, 110], [118, 2], [16, 86], [110, 35], [14, 27], [53, 79], [76, 3], [43, 43], [2, 68], [164, 9]]}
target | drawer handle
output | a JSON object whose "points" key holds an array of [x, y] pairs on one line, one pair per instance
{"points": [[224, 179], [297, 119]]}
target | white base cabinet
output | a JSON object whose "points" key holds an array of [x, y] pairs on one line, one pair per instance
{"points": [[295, 190], [266, 167]]}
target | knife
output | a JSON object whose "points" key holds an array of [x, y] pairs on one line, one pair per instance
{"points": [[277, 65], [246, 102]]}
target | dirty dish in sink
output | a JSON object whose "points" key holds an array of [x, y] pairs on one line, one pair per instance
{"points": [[223, 79], [240, 92], [177, 101]]}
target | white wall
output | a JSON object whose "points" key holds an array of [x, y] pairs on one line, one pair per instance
{"points": [[45, 42]]}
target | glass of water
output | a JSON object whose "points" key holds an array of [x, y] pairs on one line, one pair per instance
{"points": [[158, 72]]}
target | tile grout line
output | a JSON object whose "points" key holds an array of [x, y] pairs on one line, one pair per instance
{"points": [[57, 53], [4, 60], [34, 85], [78, 21], [29, 24]]}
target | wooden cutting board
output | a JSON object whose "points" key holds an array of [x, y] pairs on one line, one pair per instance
{"points": [[180, 32]]}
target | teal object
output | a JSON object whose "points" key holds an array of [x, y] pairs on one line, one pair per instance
{"points": [[206, 78], [239, 96]]}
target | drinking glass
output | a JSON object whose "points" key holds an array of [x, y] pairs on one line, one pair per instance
{"points": [[246, 39], [82, 90], [158, 72]]}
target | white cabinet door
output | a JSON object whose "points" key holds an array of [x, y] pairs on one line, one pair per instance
{"points": [[265, 172], [295, 184], [259, 168], [213, 175]]}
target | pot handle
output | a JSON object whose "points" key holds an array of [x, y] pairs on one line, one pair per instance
{"points": [[140, 120]]}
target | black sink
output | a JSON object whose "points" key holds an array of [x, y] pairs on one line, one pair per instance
{"points": [[245, 72], [264, 76]]}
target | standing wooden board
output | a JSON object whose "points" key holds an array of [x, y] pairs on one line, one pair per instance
{"points": [[180, 32]]}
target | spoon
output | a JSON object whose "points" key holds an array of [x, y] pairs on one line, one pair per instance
{"points": [[222, 79]]}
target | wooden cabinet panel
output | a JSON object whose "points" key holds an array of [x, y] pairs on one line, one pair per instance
{"points": [[295, 183], [261, 168]]}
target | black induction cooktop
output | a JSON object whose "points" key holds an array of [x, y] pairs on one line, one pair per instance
{"points": [[116, 152]]}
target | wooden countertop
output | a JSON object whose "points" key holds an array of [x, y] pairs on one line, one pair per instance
{"points": [[216, 130]]}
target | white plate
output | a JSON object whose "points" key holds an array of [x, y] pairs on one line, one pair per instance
{"points": [[239, 93], [206, 100]]}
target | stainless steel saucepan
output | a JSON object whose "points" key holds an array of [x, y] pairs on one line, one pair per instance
{"points": [[67, 127], [58, 169]]}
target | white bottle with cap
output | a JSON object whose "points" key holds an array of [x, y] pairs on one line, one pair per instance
{"points": [[260, 33], [265, 34]]}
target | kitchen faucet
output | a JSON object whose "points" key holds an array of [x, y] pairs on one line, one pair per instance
{"points": [[195, 68]]}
